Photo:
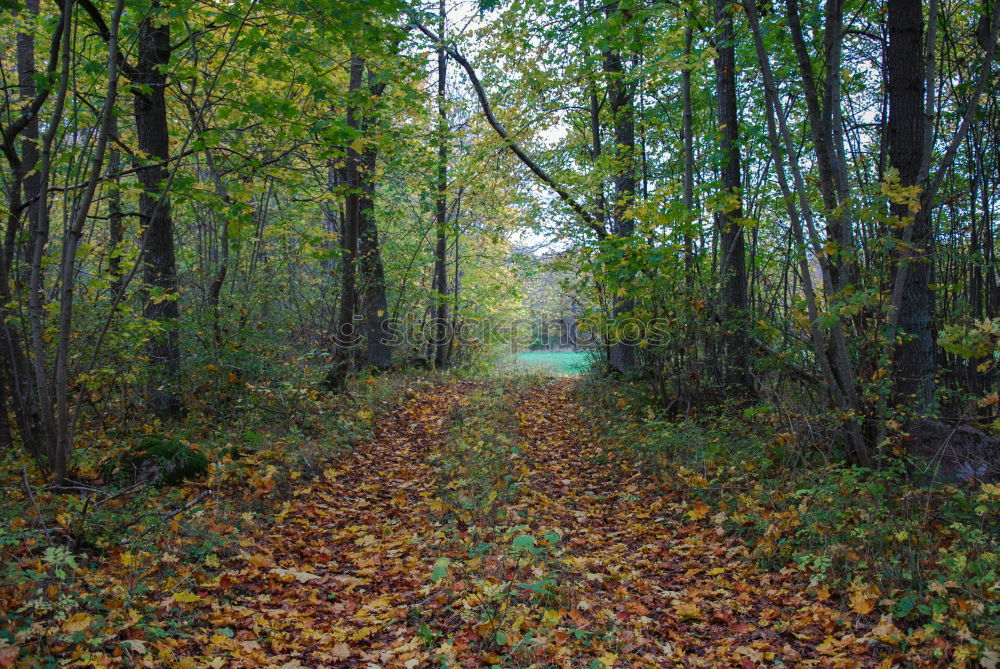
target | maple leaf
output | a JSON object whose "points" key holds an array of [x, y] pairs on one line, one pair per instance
{"points": [[863, 598], [698, 511], [752, 653], [77, 623], [688, 611], [135, 645], [887, 632], [341, 651]]}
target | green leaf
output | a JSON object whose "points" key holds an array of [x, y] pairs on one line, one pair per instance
{"points": [[440, 568], [524, 543], [904, 606]]}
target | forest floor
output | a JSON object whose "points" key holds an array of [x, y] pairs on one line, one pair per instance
{"points": [[485, 524]]}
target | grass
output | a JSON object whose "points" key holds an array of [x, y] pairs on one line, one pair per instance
{"points": [[554, 361]]}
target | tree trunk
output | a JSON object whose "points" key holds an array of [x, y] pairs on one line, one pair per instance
{"points": [[824, 126], [116, 230], [441, 210], [915, 356], [688, 132], [621, 100], [732, 264], [160, 284], [344, 336], [30, 177], [378, 346]]}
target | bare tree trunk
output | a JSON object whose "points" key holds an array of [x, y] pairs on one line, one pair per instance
{"points": [[833, 357], [825, 127], [160, 284], [5, 434], [916, 354]]}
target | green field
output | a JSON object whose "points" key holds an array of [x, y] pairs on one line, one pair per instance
{"points": [[553, 361]]}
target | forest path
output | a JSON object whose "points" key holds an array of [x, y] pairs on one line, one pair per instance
{"points": [[485, 525]]}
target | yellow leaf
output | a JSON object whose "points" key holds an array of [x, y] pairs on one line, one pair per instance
{"points": [[688, 611], [285, 509], [77, 623], [608, 659], [186, 597], [991, 490], [863, 598], [887, 632]]}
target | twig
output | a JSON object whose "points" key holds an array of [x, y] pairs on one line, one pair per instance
{"points": [[31, 496], [170, 514]]}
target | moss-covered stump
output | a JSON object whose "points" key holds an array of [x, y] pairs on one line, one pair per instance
{"points": [[158, 460]]}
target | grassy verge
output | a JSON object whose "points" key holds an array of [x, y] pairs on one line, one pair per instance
{"points": [[921, 561]]}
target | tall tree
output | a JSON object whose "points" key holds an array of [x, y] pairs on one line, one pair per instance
{"points": [[376, 324], [345, 337], [621, 101], [440, 284], [729, 218], [160, 283]]}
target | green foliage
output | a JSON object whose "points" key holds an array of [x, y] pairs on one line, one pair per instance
{"points": [[977, 340], [161, 460]]}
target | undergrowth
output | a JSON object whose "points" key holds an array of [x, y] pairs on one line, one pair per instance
{"points": [[105, 568], [922, 559]]}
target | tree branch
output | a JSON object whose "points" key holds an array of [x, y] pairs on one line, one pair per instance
{"points": [[484, 102]]}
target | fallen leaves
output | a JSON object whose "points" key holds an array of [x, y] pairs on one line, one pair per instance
{"points": [[863, 598], [476, 533], [290, 574]]}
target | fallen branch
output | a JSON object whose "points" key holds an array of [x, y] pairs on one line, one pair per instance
{"points": [[31, 496], [170, 514]]}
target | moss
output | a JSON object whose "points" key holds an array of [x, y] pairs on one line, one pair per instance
{"points": [[161, 460]]}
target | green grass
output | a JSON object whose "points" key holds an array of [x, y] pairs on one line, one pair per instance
{"points": [[552, 361]]}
